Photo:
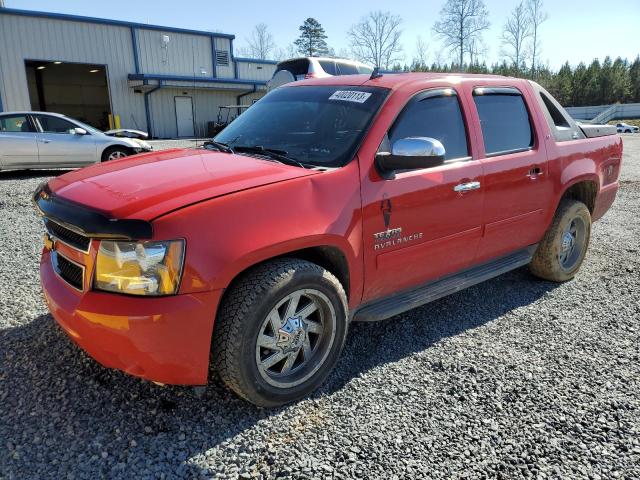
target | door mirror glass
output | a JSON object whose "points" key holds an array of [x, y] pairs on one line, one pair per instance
{"points": [[410, 154], [79, 131]]}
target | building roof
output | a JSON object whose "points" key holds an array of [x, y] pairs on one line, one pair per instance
{"points": [[105, 21]]}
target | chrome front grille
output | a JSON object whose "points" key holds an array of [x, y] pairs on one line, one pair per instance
{"points": [[69, 271], [69, 237]]}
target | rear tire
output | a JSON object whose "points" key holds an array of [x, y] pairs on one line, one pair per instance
{"points": [[562, 250], [279, 331], [114, 153]]}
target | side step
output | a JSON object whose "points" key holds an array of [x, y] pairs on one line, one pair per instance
{"points": [[407, 300]]}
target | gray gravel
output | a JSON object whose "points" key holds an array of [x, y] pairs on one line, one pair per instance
{"points": [[512, 378]]}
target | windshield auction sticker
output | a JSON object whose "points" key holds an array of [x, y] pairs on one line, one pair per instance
{"points": [[350, 96]]}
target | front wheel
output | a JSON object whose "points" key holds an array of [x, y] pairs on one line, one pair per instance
{"points": [[114, 153], [279, 332], [563, 248]]}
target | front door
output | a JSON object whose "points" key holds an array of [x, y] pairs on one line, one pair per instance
{"points": [[184, 116], [59, 146], [421, 225], [18, 145], [517, 184]]}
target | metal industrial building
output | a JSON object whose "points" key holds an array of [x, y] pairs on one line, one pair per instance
{"points": [[167, 81]]}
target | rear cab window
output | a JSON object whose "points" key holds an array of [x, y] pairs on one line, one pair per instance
{"points": [[346, 69], [504, 120], [562, 126], [15, 124], [329, 66], [435, 114], [298, 68]]}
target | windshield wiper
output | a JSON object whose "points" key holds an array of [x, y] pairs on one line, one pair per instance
{"points": [[221, 147], [273, 153]]}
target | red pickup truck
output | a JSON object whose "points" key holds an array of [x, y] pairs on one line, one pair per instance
{"points": [[328, 201]]}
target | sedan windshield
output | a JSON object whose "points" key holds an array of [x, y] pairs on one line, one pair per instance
{"points": [[320, 126]]}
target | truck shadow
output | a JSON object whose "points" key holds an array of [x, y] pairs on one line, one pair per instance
{"points": [[79, 409]]}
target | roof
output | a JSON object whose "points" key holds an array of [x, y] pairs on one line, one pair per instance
{"points": [[397, 80], [34, 112], [106, 21], [335, 59]]}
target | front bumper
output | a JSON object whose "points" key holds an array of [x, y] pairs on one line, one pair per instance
{"points": [[162, 339]]}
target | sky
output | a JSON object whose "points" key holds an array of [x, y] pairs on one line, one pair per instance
{"points": [[577, 30]]}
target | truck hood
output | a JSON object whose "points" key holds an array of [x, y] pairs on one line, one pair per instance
{"points": [[150, 185]]}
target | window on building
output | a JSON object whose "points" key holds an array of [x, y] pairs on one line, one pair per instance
{"points": [[436, 115], [15, 124], [222, 58], [505, 122], [54, 124]]}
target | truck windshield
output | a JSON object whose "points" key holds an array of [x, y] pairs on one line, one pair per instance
{"points": [[320, 126]]}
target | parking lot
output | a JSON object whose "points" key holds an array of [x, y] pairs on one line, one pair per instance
{"points": [[512, 378]]}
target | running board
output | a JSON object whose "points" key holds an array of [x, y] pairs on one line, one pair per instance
{"points": [[404, 301]]}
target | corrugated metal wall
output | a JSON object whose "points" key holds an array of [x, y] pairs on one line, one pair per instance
{"points": [[48, 39], [205, 103], [256, 71], [188, 55]]}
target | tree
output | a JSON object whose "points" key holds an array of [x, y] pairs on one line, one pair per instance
{"points": [[420, 58], [634, 79], [461, 25], [516, 30], [536, 18], [261, 44], [376, 39], [312, 40]]}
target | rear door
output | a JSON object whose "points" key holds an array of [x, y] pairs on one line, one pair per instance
{"points": [[517, 187], [184, 116], [59, 146], [18, 146], [421, 225]]}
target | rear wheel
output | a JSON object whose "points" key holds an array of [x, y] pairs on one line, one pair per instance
{"points": [[563, 248], [114, 153], [280, 331]]}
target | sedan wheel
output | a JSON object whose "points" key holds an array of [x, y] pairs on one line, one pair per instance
{"points": [[116, 154]]}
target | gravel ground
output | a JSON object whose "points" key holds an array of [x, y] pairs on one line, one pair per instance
{"points": [[512, 378]]}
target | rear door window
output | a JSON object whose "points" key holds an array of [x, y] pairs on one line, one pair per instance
{"points": [[15, 124], [329, 66], [505, 122], [347, 69], [434, 114]]}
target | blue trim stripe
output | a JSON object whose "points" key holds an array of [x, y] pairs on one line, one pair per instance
{"points": [[256, 60], [134, 45], [180, 78], [106, 21]]}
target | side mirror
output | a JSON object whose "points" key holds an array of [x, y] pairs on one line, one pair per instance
{"points": [[79, 131], [410, 154]]}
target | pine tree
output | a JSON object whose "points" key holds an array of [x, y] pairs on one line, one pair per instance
{"points": [[634, 80], [311, 42]]}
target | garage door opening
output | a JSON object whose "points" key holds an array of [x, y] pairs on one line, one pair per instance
{"points": [[73, 89]]}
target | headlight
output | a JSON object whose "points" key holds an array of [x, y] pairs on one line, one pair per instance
{"points": [[139, 268]]}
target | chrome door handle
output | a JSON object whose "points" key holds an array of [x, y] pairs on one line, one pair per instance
{"points": [[465, 187]]}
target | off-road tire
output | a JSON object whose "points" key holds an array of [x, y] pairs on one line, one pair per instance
{"points": [[546, 260], [109, 151], [242, 311]]}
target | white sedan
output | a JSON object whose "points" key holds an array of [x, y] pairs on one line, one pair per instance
{"points": [[51, 140], [626, 128]]}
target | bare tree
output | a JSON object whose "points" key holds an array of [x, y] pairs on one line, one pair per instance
{"points": [[420, 58], [260, 44], [461, 25], [536, 18], [516, 31], [376, 39]]}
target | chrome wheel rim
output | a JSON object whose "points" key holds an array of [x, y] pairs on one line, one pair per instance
{"points": [[572, 244], [116, 154], [295, 338]]}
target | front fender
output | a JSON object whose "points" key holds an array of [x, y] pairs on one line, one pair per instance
{"points": [[226, 235]]}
